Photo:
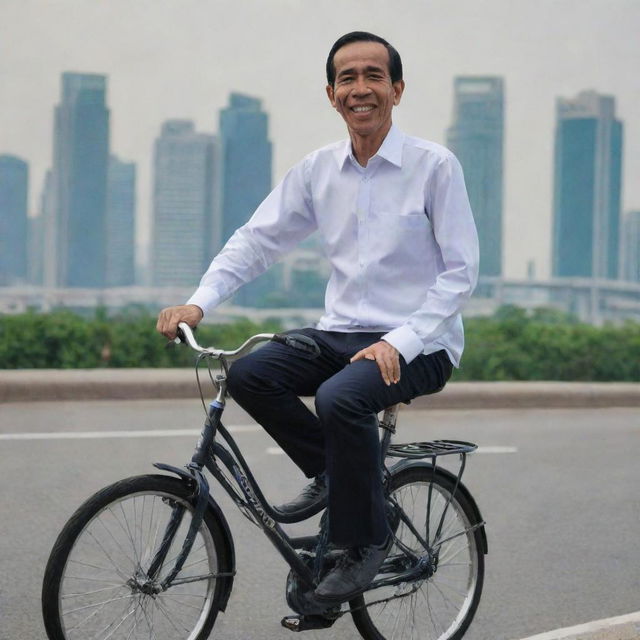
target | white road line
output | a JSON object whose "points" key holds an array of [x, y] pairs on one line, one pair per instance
{"points": [[497, 450], [99, 435], [275, 451], [579, 631]]}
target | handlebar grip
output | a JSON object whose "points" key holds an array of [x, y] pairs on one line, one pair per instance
{"points": [[307, 346]]}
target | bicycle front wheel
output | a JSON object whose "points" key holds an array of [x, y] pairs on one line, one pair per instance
{"points": [[442, 602], [97, 584]]}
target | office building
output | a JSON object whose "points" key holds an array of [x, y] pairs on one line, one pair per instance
{"points": [[183, 211], [476, 137], [120, 223], [631, 247], [76, 236], [14, 181], [245, 170], [587, 187]]}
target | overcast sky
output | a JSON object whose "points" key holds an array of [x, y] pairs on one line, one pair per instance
{"points": [[181, 58]]}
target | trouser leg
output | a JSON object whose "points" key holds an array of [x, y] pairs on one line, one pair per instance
{"points": [[347, 405], [267, 384]]}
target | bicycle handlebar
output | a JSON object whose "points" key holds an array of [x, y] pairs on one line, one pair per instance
{"points": [[185, 334], [307, 346]]}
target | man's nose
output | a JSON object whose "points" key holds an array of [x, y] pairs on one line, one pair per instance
{"points": [[361, 86]]}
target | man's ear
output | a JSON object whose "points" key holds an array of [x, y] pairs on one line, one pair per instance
{"points": [[331, 95], [398, 89]]}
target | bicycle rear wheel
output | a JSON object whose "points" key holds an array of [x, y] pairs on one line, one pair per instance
{"points": [[441, 604], [96, 585]]}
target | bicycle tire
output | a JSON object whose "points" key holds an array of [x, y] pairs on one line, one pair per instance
{"points": [[442, 606], [86, 593]]}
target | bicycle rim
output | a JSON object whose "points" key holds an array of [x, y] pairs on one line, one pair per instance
{"points": [[439, 607], [98, 598]]}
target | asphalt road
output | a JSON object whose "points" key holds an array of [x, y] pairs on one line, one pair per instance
{"points": [[557, 487]]}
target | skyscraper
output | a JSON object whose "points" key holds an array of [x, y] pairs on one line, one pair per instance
{"points": [[14, 179], [120, 223], [245, 153], [80, 164], [587, 187], [183, 212], [476, 137], [631, 247]]}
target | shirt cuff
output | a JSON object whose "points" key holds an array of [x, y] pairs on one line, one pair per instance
{"points": [[406, 341], [204, 298]]}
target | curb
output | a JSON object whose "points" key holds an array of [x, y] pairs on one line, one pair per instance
{"points": [[32, 385], [625, 627]]}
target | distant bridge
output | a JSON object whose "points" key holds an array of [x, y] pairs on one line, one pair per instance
{"points": [[593, 301]]}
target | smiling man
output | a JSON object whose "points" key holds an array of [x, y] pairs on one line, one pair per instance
{"points": [[395, 222]]}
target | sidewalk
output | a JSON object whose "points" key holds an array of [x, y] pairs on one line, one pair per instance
{"points": [[620, 628], [32, 385]]}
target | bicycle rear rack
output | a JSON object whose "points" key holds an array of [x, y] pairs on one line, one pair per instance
{"points": [[431, 449]]}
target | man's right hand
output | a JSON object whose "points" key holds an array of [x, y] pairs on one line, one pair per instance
{"points": [[169, 318]]}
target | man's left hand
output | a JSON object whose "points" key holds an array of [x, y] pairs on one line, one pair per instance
{"points": [[387, 357]]}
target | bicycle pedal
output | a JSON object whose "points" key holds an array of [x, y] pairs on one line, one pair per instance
{"points": [[306, 623]]}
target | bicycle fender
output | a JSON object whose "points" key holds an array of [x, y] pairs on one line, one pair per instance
{"points": [[214, 507], [403, 464]]}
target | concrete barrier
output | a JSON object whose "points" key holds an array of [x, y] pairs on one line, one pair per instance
{"points": [[32, 385]]}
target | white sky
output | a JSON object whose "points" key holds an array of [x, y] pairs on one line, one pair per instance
{"points": [[181, 58]]}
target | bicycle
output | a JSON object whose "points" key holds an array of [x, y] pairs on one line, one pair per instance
{"points": [[152, 556]]}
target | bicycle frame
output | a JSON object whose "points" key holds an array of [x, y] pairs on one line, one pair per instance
{"points": [[249, 498]]}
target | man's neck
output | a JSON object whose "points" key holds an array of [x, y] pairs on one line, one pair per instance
{"points": [[365, 147]]}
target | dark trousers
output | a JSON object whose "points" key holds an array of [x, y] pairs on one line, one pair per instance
{"points": [[343, 438]]}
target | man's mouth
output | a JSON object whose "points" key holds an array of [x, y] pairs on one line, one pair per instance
{"points": [[363, 108]]}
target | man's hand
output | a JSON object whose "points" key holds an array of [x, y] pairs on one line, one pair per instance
{"points": [[169, 318], [387, 357]]}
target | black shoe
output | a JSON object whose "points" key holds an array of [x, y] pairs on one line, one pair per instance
{"points": [[353, 573], [312, 494]]}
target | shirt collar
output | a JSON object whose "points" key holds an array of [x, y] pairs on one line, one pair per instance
{"points": [[390, 149]]}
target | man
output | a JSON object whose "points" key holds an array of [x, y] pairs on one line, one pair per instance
{"points": [[396, 225]]}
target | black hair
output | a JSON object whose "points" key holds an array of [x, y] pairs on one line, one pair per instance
{"points": [[395, 63]]}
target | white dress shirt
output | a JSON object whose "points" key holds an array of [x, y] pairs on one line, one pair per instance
{"points": [[399, 234]]}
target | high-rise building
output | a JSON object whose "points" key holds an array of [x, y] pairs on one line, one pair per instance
{"points": [[14, 180], [245, 169], [476, 137], [183, 211], [120, 223], [631, 246], [76, 239], [587, 187]]}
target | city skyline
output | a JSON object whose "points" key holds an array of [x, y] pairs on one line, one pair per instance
{"points": [[168, 60]]}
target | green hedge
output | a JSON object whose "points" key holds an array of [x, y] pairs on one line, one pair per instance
{"points": [[64, 340], [548, 345], [511, 345]]}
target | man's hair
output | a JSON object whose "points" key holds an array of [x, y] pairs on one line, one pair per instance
{"points": [[395, 63]]}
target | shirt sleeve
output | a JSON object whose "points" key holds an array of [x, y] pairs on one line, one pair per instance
{"points": [[447, 205], [283, 219]]}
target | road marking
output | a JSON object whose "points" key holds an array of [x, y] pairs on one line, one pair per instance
{"points": [[497, 450], [99, 435], [626, 633], [275, 451]]}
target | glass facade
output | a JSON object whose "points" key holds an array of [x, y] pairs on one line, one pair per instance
{"points": [[476, 137], [183, 212], [14, 180], [245, 152], [587, 188], [76, 239], [120, 224]]}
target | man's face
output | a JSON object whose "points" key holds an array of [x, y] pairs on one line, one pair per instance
{"points": [[363, 93]]}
